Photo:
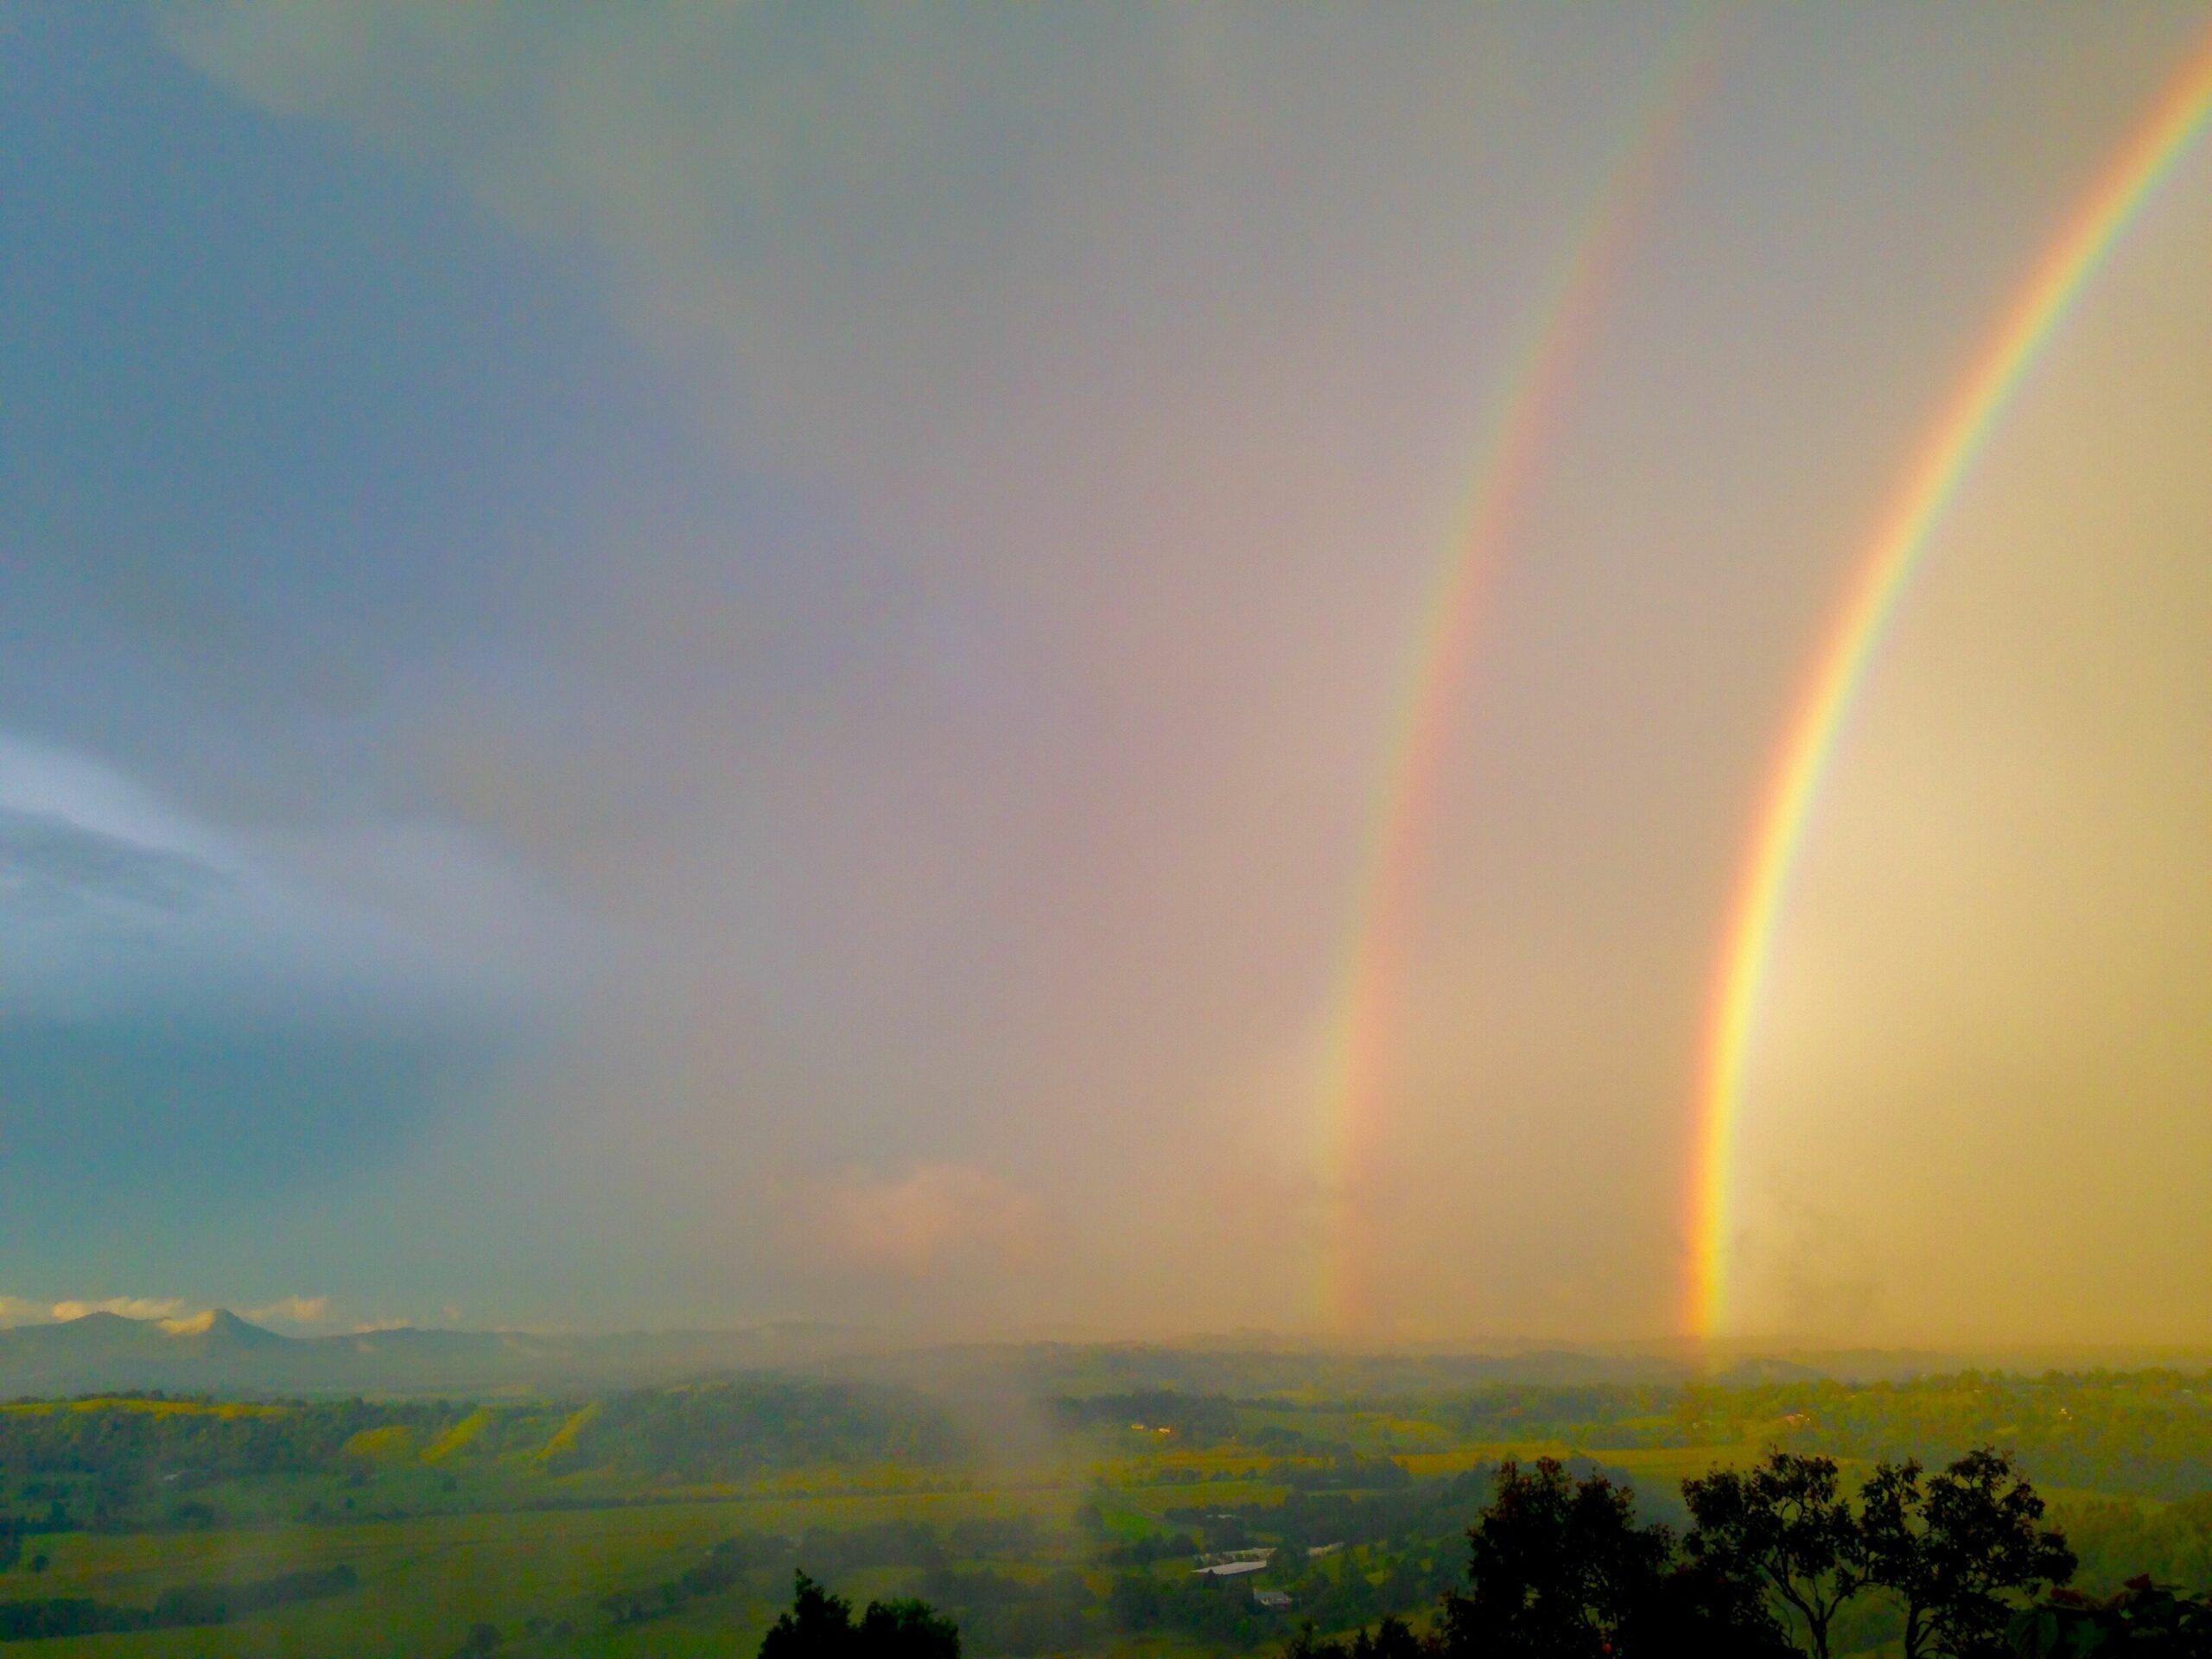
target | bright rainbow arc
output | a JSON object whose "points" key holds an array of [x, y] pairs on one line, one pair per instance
{"points": [[1940, 462], [1524, 417]]}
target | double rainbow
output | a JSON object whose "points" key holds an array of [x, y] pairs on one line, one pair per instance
{"points": [[1946, 451], [1507, 465]]}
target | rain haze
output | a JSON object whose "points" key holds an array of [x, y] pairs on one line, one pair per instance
{"points": [[1102, 673]]}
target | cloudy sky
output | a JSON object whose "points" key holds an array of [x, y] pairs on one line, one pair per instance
{"points": [[702, 665]]}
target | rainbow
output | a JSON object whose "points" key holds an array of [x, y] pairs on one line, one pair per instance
{"points": [[1942, 459], [1422, 713]]}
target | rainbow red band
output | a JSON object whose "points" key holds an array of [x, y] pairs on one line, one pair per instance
{"points": [[1424, 713], [1940, 461]]}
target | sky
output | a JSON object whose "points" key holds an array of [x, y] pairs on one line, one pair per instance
{"points": [[696, 666]]}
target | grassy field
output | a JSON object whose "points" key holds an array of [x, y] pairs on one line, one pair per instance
{"points": [[590, 1529], [426, 1581], [538, 1575]]}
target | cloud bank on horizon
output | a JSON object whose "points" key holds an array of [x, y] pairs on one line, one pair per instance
{"points": [[726, 662]]}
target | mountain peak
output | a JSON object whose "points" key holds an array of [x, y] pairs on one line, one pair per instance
{"points": [[219, 1328]]}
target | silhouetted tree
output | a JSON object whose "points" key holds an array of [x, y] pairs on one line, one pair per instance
{"points": [[1391, 1639], [906, 1629], [1697, 1610], [1556, 1570], [2143, 1621], [1783, 1526], [816, 1623], [1562, 1569], [1953, 1549], [820, 1626]]}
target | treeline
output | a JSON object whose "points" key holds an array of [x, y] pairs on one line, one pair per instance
{"points": [[827, 1552], [1392, 1547], [103, 1462], [1774, 1563], [1388, 1511], [1393, 1551], [735, 1430], [1626, 1415], [130, 1437], [728, 1567], [2117, 1539], [2147, 1432], [131, 1462], [1346, 1470], [820, 1626], [1192, 1419], [187, 1605], [1780, 1561], [1611, 1415], [1430, 1508], [1000, 1611], [1346, 1560]]}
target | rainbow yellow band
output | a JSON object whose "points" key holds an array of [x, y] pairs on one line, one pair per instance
{"points": [[1423, 712], [2085, 240]]}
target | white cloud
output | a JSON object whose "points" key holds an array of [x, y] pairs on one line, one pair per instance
{"points": [[940, 1216], [291, 1310]]}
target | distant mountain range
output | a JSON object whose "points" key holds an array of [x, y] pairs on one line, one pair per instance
{"points": [[217, 1352], [220, 1353]]}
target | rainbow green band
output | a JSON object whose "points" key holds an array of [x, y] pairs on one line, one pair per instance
{"points": [[1423, 712], [1941, 460]]}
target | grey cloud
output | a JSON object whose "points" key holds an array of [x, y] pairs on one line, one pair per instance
{"points": [[1155, 341], [911, 238], [115, 900], [52, 867]]}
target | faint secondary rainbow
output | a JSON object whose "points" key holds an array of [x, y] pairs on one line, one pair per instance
{"points": [[1422, 715], [1939, 462]]}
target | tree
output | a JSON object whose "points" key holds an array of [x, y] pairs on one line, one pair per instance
{"points": [[820, 1626], [1696, 1609], [1556, 1568], [1952, 1551], [2143, 1620], [906, 1629], [1392, 1639], [815, 1624], [1784, 1525]]}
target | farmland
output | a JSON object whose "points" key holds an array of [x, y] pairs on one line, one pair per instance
{"points": [[668, 1521]]}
